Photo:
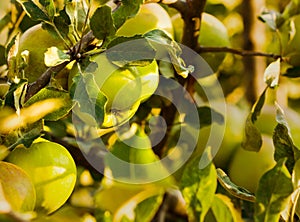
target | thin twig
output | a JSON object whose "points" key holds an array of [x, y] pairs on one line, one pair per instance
{"points": [[44, 79], [240, 52]]}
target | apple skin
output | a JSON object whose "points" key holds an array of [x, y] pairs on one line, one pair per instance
{"points": [[213, 33], [51, 169], [247, 167], [118, 84], [124, 88], [37, 40], [17, 187], [150, 16]]}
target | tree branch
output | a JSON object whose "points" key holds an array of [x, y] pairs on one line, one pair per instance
{"points": [[240, 52], [191, 11], [44, 79]]}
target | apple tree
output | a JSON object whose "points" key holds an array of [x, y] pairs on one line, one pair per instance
{"points": [[149, 110]]}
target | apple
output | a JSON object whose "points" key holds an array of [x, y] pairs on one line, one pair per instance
{"points": [[51, 169], [247, 167], [17, 187], [36, 41], [150, 16], [125, 88], [213, 33]]}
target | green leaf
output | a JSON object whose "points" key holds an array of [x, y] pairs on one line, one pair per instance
{"points": [[2, 55], [146, 210], [252, 139], [166, 69], [275, 186], [63, 24], [284, 146], [54, 56], [222, 210], [48, 93], [137, 208], [272, 18], [90, 99], [135, 50], [126, 10], [164, 46], [198, 188], [293, 8], [296, 174], [33, 11], [232, 188], [102, 23], [10, 96], [49, 7], [293, 72], [28, 136], [76, 14], [5, 21], [272, 73], [13, 62], [206, 115], [295, 197]]}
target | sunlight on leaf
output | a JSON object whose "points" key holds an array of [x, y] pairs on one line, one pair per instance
{"points": [[232, 188], [223, 210], [283, 142], [272, 72], [198, 188], [55, 56], [275, 186], [29, 114], [252, 139]]}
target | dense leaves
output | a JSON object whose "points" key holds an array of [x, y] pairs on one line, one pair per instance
{"points": [[150, 158], [198, 187]]}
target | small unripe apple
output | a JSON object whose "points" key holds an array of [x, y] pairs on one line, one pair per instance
{"points": [[247, 167], [124, 87], [150, 16], [36, 41], [51, 169]]}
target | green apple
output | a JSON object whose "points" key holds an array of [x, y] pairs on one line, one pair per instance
{"points": [[17, 187], [36, 41], [247, 167], [125, 88], [150, 16], [233, 135], [213, 33], [52, 170]]}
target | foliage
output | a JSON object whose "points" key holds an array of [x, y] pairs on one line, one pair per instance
{"points": [[108, 115]]}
